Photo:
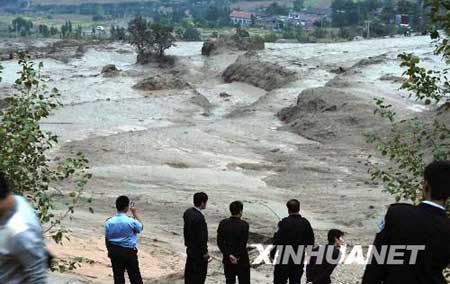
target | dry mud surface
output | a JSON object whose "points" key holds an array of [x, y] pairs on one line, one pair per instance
{"points": [[159, 147]]}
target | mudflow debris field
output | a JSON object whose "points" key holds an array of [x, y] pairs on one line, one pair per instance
{"points": [[284, 122]]}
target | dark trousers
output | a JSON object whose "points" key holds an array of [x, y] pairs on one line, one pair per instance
{"points": [[195, 270], [125, 259], [239, 271], [283, 273]]}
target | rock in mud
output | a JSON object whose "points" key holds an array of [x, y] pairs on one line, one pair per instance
{"points": [[338, 70], [339, 82], [201, 101], [250, 68], [224, 95], [392, 78], [370, 61], [158, 82], [329, 115], [110, 70]]}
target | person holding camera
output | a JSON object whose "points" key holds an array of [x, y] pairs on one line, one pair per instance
{"points": [[121, 238]]}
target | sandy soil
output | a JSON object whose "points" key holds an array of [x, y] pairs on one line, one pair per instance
{"points": [[160, 147]]}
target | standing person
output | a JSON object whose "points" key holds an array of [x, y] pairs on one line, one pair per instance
{"points": [[196, 241], [425, 225], [23, 255], [121, 238], [319, 273], [232, 238], [294, 232]]}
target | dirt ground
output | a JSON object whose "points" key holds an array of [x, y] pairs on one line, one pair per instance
{"points": [[160, 147]]}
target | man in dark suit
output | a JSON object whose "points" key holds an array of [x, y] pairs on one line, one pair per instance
{"points": [[319, 273], [196, 241], [295, 233], [424, 225], [232, 238]]}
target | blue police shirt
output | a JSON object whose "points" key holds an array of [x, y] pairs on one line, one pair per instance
{"points": [[121, 230]]}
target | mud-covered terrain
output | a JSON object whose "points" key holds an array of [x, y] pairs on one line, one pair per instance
{"points": [[161, 134]]}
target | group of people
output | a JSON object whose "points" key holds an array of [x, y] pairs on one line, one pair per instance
{"points": [[25, 260], [232, 240], [426, 224]]}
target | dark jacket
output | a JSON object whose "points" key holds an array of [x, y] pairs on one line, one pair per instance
{"points": [[195, 233], [413, 225], [294, 231], [320, 273], [232, 238]]}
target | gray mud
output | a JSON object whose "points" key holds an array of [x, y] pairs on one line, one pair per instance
{"points": [[161, 148]]}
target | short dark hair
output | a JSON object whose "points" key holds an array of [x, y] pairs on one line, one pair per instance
{"points": [[334, 234], [122, 202], [5, 190], [236, 207], [199, 198], [293, 206], [437, 175]]}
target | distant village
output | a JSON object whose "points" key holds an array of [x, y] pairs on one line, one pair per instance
{"points": [[307, 18]]}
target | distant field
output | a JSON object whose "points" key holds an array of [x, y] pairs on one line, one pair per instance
{"points": [[84, 21]]}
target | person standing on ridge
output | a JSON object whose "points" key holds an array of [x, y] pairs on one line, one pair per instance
{"points": [[23, 255], [121, 238], [426, 225], [294, 232], [196, 240], [319, 273], [232, 238]]}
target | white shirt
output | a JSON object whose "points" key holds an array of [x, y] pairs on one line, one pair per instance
{"points": [[431, 203]]}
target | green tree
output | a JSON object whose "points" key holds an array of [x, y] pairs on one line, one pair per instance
{"points": [[118, 33], [298, 5], [67, 29], [21, 26], [44, 30], [150, 39], [139, 36], [277, 9], [25, 148], [192, 34], [388, 11], [53, 31], [162, 38], [411, 144], [241, 32]]}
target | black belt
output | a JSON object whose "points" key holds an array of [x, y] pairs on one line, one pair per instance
{"points": [[121, 247]]}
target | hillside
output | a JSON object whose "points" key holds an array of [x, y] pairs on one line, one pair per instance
{"points": [[245, 5], [78, 2]]}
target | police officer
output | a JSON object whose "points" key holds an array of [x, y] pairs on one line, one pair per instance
{"points": [[121, 239], [294, 232], [425, 225], [232, 238], [196, 241]]}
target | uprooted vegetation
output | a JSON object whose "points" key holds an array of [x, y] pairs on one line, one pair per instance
{"points": [[250, 68], [241, 40], [222, 44], [161, 82]]}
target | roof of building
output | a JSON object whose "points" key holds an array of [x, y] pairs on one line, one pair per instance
{"points": [[241, 14]]}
